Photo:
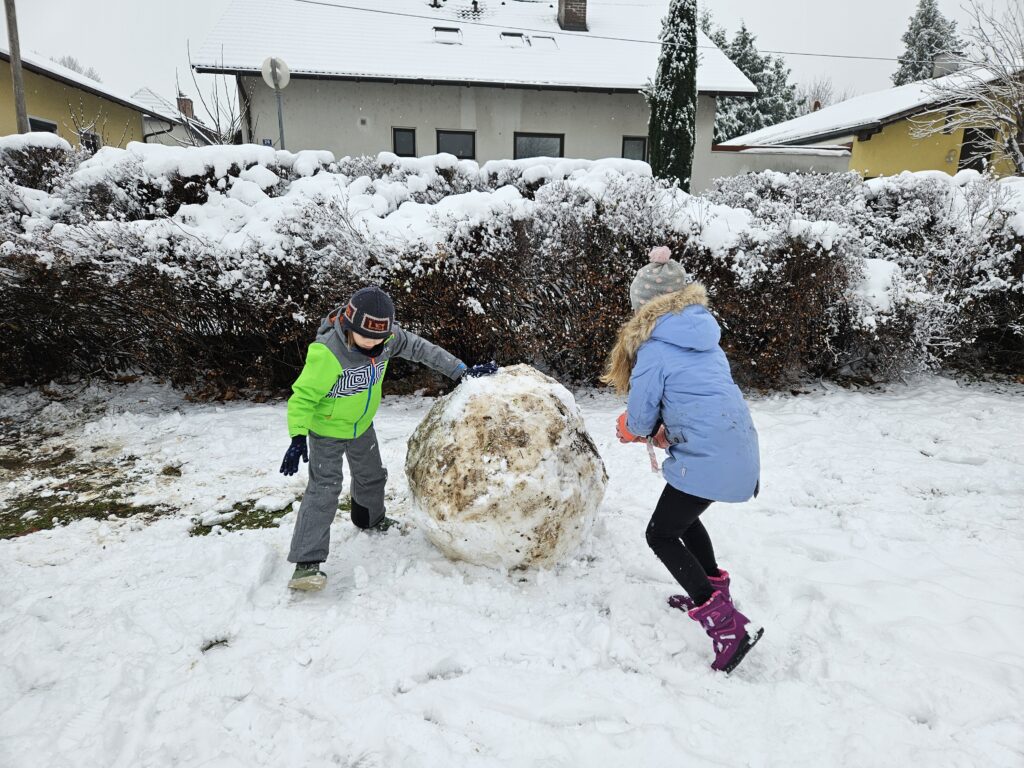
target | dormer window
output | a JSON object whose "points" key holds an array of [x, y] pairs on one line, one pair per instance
{"points": [[514, 39], [448, 35], [543, 42]]}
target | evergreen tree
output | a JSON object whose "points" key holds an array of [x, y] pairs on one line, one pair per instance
{"points": [[672, 97], [714, 32], [775, 100], [929, 35]]}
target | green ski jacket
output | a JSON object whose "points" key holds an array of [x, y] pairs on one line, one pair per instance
{"points": [[339, 389]]}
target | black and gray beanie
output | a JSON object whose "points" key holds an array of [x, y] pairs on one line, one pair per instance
{"points": [[370, 312], [660, 276]]}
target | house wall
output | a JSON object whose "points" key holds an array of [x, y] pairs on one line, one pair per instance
{"points": [[711, 165], [352, 118], [895, 150], [178, 136], [356, 118], [52, 100], [705, 168], [735, 163]]}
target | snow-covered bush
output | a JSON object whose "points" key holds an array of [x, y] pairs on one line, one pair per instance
{"points": [[35, 160], [591, 235], [959, 294], [216, 264]]}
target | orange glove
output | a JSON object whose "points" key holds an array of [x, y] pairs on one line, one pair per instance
{"points": [[622, 432]]}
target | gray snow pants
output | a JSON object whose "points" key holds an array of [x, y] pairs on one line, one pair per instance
{"points": [[312, 535]]}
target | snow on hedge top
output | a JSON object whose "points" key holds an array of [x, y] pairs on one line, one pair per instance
{"points": [[239, 210], [259, 195], [41, 140], [849, 116], [515, 43], [158, 160]]}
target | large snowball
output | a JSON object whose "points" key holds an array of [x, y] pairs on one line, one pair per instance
{"points": [[505, 472]]}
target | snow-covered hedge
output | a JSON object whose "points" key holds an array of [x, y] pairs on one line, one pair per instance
{"points": [[957, 296], [215, 264]]}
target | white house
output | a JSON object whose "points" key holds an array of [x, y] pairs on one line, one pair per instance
{"points": [[481, 79]]}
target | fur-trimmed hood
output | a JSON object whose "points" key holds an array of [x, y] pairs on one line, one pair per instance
{"points": [[641, 327]]}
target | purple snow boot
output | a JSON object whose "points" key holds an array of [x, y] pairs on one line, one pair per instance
{"points": [[727, 629], [719, 583]]}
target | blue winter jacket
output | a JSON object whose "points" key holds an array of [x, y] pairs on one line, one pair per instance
{"points": [[681, 378]]}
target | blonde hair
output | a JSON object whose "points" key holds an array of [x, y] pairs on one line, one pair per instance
{"points": [[634, 332]]}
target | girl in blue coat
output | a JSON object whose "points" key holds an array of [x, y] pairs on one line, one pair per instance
{"points": [[682, 397]]}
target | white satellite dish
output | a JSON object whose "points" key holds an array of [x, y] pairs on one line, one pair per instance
{"points": [[276, 73]]}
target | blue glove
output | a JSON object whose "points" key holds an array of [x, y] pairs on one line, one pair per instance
{"points": [[483, 369], [290, 465]]}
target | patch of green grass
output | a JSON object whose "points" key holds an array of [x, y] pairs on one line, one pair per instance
{"points": [[247, 517], [30, 513], [76, 490]]}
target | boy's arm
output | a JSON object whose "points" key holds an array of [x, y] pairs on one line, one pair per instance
{"points": [[646, 386], [318, 375], [412, 347]]}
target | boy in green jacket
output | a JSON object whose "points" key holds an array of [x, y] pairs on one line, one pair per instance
{"points": [[334, 401]]}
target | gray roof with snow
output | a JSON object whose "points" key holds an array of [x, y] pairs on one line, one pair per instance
{"points": [[846, 118], [515, 43]]}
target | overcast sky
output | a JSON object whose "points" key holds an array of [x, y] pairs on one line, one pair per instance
{"points": [[136, 43]]}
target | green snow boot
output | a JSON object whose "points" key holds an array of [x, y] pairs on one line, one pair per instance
{"points": [[308, 577]]}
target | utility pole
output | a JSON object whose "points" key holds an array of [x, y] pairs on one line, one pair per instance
{"points": [[16, 74]]}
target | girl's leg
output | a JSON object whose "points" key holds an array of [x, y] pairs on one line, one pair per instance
{"points": [[368, 479], [696, 540], [312, 535], [675, 516]]}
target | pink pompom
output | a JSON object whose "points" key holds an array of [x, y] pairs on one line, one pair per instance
{"points": [[660, 255]]}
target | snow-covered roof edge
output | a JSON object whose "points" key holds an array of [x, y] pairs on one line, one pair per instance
{"points": [[40, 66], [859, 113]]}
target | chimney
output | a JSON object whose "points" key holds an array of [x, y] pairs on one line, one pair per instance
{"points": [[572, 15], [185, 106]]}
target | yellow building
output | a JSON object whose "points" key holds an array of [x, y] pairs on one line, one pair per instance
{"points": [[79, 109], [878, 129]]}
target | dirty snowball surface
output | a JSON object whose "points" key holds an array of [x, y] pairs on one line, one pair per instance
{"points": [[503, 472], [883, 556]]}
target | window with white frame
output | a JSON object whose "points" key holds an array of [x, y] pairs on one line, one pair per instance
{"points": [[403, 141], [38, 124], [462, 144], [634, 147], [538, 145]]}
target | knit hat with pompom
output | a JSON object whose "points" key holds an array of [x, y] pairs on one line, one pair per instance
{"points": [[659, 277]]}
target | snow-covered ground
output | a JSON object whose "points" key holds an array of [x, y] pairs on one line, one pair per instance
{"points": [[884, 557]]}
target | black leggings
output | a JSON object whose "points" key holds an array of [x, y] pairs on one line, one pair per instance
{"points": [[680, 541]]}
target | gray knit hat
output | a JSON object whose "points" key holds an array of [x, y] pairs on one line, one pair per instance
{"points": [[659, 277]]}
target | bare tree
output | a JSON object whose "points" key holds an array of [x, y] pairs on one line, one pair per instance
{"points": [[93, 127], [985, 97], [224, 105], [819, 93], [70, 62]]}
